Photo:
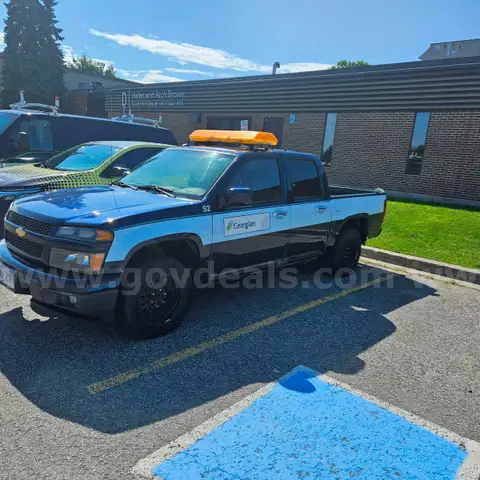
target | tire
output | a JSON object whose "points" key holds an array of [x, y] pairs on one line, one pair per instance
{"points": [[157, 305], [347, 251]]}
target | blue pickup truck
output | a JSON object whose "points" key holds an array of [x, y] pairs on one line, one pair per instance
{"points": [[227, 201]]}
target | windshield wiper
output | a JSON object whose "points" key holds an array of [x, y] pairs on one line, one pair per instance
{"points": [[164, 191], [127, 185]]}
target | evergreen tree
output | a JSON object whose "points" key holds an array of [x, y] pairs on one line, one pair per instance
{"points": [[33, 60]]}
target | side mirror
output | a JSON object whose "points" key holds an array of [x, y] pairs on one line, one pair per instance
{"points": [[239, 197], [115, 172], [23, 142]]}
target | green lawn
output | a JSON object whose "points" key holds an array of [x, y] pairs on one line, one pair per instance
{"points": [[445, 234]]}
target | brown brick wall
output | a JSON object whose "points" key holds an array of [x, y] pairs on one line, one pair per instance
{"points": [[305, 134], [371, 148]]}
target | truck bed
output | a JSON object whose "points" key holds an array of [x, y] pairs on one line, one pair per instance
{"points": [[337, 191]]}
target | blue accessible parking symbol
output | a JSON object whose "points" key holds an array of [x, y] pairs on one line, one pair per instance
{"points": [[307, 426]]}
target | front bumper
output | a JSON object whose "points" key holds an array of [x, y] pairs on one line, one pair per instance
{"points": [[93, 296]]}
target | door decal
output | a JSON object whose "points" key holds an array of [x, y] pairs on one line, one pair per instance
{"points": [[246, 224]]}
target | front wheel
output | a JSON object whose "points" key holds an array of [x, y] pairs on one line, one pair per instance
{"points": [[347, 250], [156, 302]]}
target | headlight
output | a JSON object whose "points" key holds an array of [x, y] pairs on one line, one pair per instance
{"points": [[80, 233], [76, 261]]}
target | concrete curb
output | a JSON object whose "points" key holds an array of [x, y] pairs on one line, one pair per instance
{"points": [[448, 270]]}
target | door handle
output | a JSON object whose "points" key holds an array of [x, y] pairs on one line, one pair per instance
{"points": [[279, 213], [321, 209]]}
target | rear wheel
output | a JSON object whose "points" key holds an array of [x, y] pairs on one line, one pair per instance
{"points": [[156, 304], [347, 250]]}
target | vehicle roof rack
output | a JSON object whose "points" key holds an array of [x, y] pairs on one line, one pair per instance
{"points": [[130, 118], [141, 120], [23, 105], [228, 145]]}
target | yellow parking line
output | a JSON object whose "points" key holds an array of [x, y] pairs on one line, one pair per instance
{"points": [[125, 377]]}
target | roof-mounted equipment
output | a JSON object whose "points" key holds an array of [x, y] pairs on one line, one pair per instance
{"points": [[130, 118], [23, 105], [236, 137]]}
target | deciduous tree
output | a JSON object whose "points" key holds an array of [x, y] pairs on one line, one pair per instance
{"points": [[86, 64]]}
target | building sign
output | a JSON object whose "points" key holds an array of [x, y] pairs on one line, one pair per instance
{"points": [[157, 98], [243, 125], [292, 118]]}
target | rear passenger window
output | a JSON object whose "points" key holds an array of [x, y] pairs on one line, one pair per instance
{"points": [[263, 178], [305, 179]]}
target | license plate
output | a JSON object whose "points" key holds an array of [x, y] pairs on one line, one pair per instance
{"points": [[7, 276]]}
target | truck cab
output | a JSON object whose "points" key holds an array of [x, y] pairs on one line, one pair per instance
{"points": [[227, 203]]}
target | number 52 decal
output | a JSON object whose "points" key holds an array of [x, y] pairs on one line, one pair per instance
{"points": [[206, 209]]}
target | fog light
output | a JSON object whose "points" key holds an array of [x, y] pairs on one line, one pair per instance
{"points": [[72, 299]]}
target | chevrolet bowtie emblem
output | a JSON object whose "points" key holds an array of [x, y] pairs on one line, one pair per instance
{"points": [[20, 232]]}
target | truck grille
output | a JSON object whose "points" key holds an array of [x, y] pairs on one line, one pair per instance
{"points": [[28, 223], [23, 245]]}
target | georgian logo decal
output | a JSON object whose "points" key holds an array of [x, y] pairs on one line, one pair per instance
{"points": [[246, 224]]}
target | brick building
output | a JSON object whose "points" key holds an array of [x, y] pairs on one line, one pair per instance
{"points": [[410, 128]]}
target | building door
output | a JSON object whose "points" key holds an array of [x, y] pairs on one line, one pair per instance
{"points": [[274, 125], [96, 105]]}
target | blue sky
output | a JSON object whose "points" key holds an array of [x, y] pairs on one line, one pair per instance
{"points": [[167, 40]]}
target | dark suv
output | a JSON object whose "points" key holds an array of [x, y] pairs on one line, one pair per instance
{"points": [[28, 136]]}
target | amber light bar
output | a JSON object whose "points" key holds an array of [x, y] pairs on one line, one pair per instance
{"points": [[234, 136]]}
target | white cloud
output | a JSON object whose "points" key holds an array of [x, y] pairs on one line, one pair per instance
{"points": [[303, 67], [142, 76], [146, 76], [67, 53], [184, 53], [2, 40], [188, 70]]}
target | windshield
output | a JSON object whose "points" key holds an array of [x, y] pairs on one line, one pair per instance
{"points": [[81, 158], [185, 172], [6, 119]]}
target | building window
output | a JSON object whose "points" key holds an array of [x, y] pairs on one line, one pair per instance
{"points": [[417, 145], [327, 148], [229, 123]]}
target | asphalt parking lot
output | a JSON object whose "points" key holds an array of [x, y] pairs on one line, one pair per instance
{"points": [[79, 400]]}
